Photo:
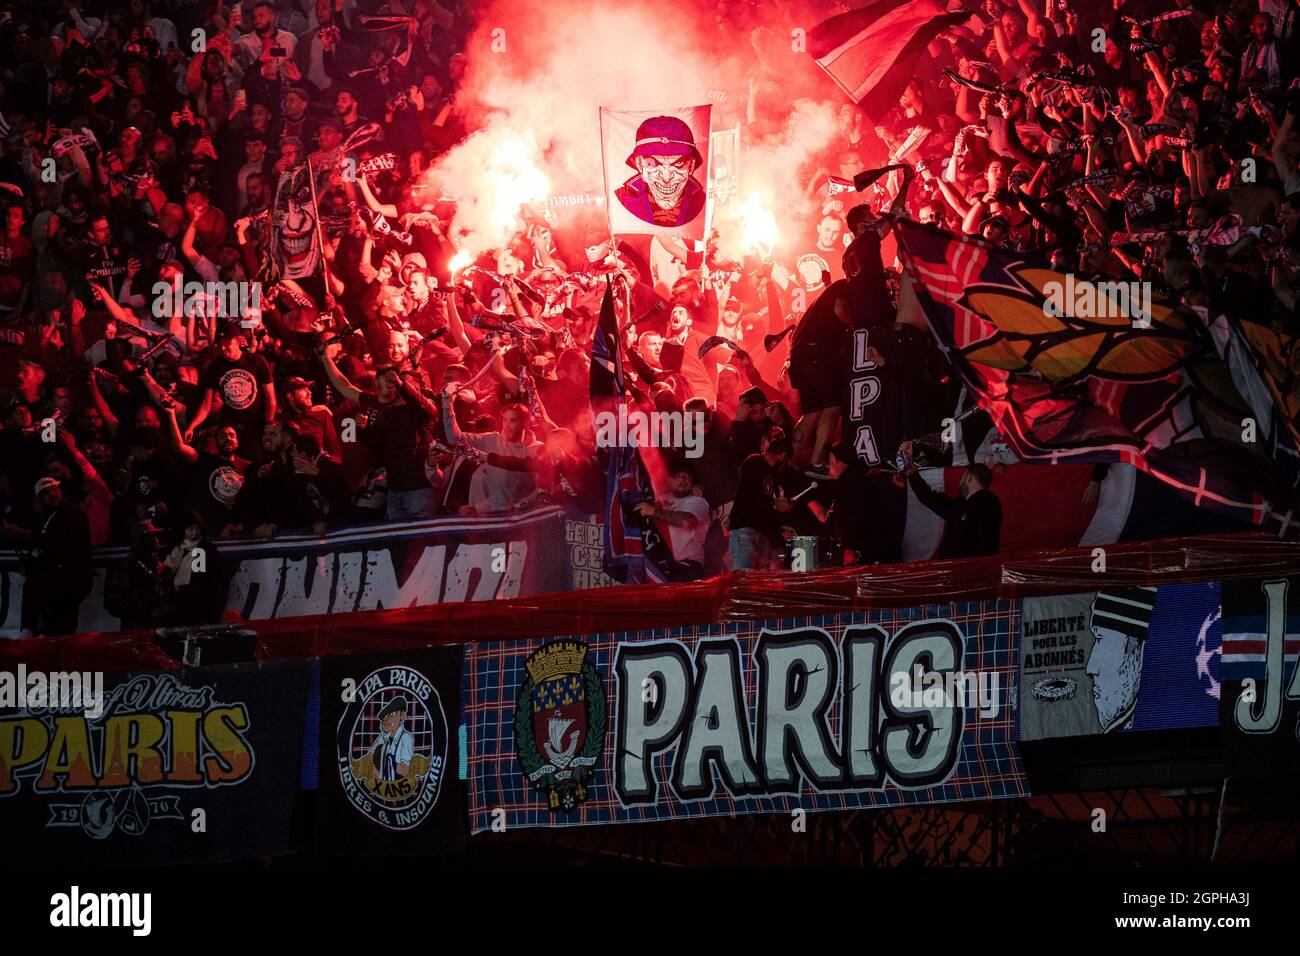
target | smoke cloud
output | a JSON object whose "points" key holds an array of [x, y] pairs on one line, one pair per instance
{"points": [[538, 75]]}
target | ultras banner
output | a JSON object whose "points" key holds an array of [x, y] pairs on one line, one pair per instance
{"points": [[880, 708], [1127, 658], [656, 173], [360, 568], [189, 766], [1261, 679], [390, 780]]}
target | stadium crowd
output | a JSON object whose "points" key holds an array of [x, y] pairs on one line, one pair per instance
{"points": [[378, 377]]}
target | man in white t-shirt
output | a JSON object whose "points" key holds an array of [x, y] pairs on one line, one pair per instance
{"points": [[494, 489], [687, 518]]}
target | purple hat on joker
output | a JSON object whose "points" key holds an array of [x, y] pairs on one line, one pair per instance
{"points": [[664, 136]]}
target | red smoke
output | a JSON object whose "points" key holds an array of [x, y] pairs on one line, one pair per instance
{"points": [[538, 74]]}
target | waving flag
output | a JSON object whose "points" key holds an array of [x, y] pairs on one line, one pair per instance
{"points": [[872, 53], [632, 543], [1091, 385]]}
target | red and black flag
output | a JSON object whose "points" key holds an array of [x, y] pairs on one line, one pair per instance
{"points": [[872, 53], [1109, 382]]}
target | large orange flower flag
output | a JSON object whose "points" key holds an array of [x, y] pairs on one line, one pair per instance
{"points": [[1079, 371]]}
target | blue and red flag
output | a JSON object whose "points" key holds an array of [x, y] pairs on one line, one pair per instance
{"points": [[631, 541], [1148, 390]]}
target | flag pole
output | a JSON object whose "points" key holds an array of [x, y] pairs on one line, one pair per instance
{"points": [[320, 232]]}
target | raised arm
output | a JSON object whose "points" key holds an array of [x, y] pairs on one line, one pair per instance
{"points": [[175, 440], [105, 411], [1281, 161], [188, 249], [347, 391], [384, 209], [455, 326]]}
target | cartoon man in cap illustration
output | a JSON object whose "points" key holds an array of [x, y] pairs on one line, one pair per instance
{"points": [[664, 191], [1120, 621], [391, 754]]}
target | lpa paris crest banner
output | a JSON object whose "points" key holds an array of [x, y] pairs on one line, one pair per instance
{"points": [[656, 170], [890, 707], [389, 758]]}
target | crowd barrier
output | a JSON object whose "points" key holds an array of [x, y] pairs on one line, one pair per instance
{"points": [[405, 731], [358, 568], [549, 549]]}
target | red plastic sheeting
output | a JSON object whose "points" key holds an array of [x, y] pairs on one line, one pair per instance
{"points": [[743, 596]]}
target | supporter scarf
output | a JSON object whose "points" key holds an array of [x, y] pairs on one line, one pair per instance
{"points": [[81, 140], [378, 164], [1223, 233], [376, 24], [380, 227]]}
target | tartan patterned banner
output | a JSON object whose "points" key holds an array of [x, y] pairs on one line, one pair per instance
{"points": [[879, 708]]}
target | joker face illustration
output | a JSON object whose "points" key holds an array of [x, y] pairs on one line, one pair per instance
{"points": [[1119, 629], [664, 191], [666, 176], [297, 249]]}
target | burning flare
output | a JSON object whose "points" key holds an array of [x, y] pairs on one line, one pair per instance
{"points": [[758, 231], [459, 261]]}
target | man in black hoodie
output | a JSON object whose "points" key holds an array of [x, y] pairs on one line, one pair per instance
{"points": [[972, 521]]}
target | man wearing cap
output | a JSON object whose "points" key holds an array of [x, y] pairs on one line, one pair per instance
{"points": [[309, 418], [328, 136], [294, 121], [1120, 621], [664, 191], [687, 517], [215, 473], [399, 431], [995, 229], [59, 574], [392, 752]]}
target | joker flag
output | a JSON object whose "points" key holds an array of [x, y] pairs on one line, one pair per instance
{"points": [[655, 173]]}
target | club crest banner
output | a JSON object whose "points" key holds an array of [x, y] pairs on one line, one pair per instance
{"points": [[1129, 658], [656, 170], [389, 758], [880, 708]]}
